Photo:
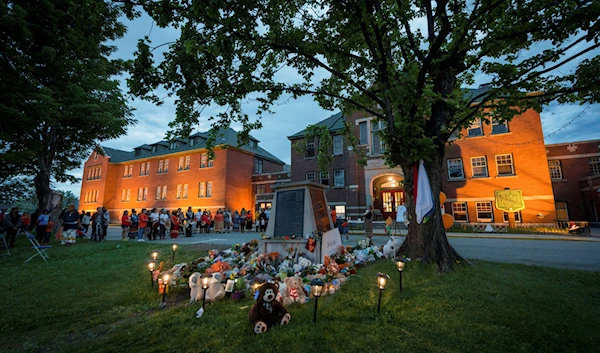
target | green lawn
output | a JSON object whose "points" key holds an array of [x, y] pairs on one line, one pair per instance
{"points": [[97, 298]]}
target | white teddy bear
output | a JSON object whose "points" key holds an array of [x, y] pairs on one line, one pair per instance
{"points": [[215, 291], [392, 246]]}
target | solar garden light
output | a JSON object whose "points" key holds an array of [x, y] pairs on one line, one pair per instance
{"points": [[174, 247], [154, 255], [316, 285], [205, 284], [381, 281], [400, 267], [165, 279], [151, 266]]}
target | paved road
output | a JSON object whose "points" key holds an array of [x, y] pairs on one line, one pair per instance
{"points": [[582, 255]]}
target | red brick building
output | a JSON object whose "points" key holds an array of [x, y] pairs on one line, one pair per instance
{"points": [[575, 174], [176, 174], [485, 158]]}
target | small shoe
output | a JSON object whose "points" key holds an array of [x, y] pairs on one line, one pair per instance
{"points": [[125, 239]]}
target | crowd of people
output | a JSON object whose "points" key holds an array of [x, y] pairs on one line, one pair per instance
{"points": [[158, 224], [147, 224]]}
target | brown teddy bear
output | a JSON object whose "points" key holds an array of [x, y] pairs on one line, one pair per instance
{"points": [[267, 312], [293, 293]]}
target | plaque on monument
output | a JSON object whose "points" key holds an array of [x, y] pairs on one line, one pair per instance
{"points": [[289, 218], [320, 210]]}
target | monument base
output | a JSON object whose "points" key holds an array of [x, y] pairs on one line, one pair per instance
{"points": [[282, 246]]}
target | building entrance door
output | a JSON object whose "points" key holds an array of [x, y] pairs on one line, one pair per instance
{"points": [[391, 200]]}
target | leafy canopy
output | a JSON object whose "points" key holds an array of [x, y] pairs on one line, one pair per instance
{"points": [[403, 61], [58, 94]]}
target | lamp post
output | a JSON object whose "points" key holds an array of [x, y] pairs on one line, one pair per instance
{"points": [[165, 279], [174, 247], [205, 284], [400, 267], [154, 255], [151, 267], [381, 281], [316, 285]]}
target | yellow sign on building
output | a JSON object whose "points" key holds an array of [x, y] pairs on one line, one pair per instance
{"points": [[509, 200]]}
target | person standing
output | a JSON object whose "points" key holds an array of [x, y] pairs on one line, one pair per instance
{"points": [[85, 223], [189, 219], [133, 228], [369, 222], [154, 224], [96, 224], [263, 221], [125, 223], [227, 220], [175, 224], [219, 222], [143, 223], [41, 225], [198, 220], [164, 220], [69, 220], [334, 217], [12, 221], [243, 214], [249, 220], [105, 219]]}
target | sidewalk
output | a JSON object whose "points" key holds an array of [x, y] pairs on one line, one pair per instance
{"points": [[114, 234]]}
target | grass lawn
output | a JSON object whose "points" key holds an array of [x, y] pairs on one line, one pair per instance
{"points": [[97, 298]]}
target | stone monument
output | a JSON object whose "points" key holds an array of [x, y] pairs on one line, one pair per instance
{"points": [[299, 209]]}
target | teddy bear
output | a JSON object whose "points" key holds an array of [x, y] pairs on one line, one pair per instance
{"points": [[267, 312], [215, 291], [392, 246], [293, 293]]}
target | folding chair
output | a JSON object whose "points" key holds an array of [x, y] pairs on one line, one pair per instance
{"points": [[5, 243], [40, 249]]}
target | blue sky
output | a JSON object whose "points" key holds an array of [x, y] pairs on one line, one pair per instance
{"points": [[292, 115]]}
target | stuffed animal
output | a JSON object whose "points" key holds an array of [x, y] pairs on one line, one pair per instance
{"points": [[293, 293], [392, 246], [267, 312], [215, 291]]}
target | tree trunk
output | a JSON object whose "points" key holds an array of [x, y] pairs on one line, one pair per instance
{"points": [[427, 242], [42, 189]]}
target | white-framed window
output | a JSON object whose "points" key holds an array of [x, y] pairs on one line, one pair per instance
{"points": [[594, 165], [455, 135], [505, 165], [140, 194], [260, 189], [147, 168], [125, 195], [164, 192], [377, 146], [125, 171], [160, 166], [89, 177], [363, 133], [499, 128], [338, 144], [455, 169], [209, 189], [324, 177], [185, 191], [210, 163], [130, 171], [460, 212], [172, 145], [180, 165], [338, 178], [128, 196], [205, 162], [95, 156], [86, 197], [158, 193], [555, 169], [479, 167], [143, 169], [310, 149], [145, 196], [179, 191], [517, 217], [258, 165], [340, 212], [476, 128], [166, 169], [310, 176], [201, 189], [95, 196], [187, 163], [98, 173], [485, 213]]}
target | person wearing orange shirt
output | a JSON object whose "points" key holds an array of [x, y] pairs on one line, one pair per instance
{"points": [[143, 223]]}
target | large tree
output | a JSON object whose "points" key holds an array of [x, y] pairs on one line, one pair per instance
{"points": [[58, 92], [403, 62]]}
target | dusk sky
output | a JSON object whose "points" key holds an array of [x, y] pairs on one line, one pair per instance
{"points": [[292, 115]]}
